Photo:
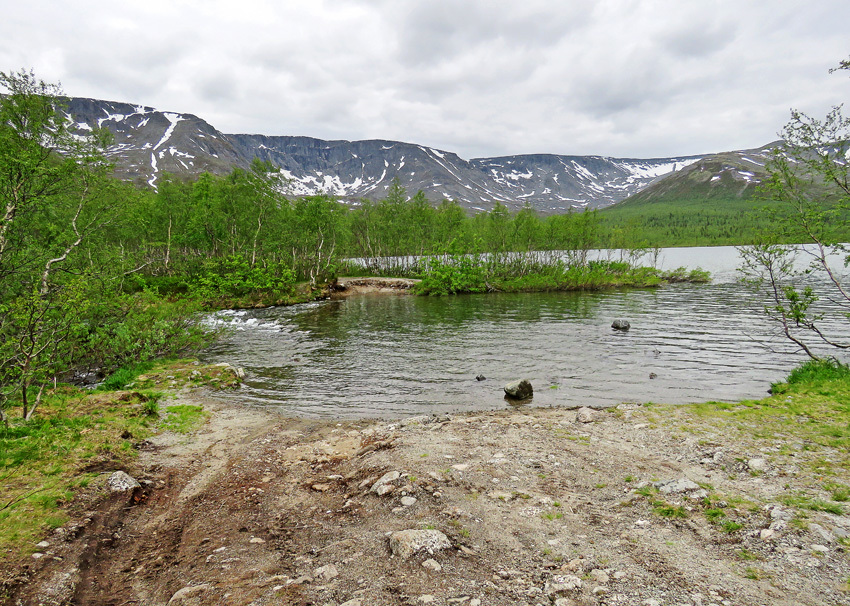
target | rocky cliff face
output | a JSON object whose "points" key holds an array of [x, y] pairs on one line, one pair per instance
{"points": [[149, 142]]}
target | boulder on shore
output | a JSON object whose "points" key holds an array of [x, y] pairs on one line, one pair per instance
{"points": [[519, 390]]}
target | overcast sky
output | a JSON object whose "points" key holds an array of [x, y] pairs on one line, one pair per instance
{"points": [[624, 78]]}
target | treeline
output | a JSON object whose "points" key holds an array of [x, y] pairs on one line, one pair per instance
{"points": [[214, 224]]}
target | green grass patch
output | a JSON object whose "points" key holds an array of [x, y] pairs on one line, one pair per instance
{"points": [[76, 437], [666, 510], [183, 418]]}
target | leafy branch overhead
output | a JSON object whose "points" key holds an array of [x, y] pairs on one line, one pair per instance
{"points": [[809, 186]]}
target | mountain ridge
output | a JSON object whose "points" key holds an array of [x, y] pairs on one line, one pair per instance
{"points": [[149, 142]]}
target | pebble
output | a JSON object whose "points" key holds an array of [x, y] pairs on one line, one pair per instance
{"points": [[384, 481], [256, 540], [326, 572], [599, 576], [585, 415], [354, 602], [321, 487], [676, 486], [432, 564], [187, 593], [407, 542], [408, 501], [460, 467], [427, 599], [819, 548], [121, 481], [757, 465]]}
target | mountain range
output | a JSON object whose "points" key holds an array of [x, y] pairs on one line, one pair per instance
{"points": [[148, 142]]}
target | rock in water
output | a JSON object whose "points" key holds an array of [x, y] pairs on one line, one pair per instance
{"points": [[621, 325], [519, 390]]}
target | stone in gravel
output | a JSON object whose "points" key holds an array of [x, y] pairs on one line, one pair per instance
{"points": [[256, 540], [405, 543], [185, 595], [757, 465], [408, 501], [819, 548], [326, 573], [562, 584], [43, 545], [321, 487], [500, 496], [427, 599], [600, 576], [519, 390], [620, 575], [354, 602], [37, 555], [777, 513], [120, 481], [676, 486], [766, 534], [385, 480], [815, 529], [432, 564], [600, 590], [563, 602], [385, 489], [460, 467], [585, 415]]}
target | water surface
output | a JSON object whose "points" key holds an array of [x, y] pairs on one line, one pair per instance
{"points": [[390, 356]]}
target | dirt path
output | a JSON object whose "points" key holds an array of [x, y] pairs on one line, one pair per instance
{"points": [[537, 508]]}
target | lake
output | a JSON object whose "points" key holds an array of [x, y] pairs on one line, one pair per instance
{"points": [[391, 356]]}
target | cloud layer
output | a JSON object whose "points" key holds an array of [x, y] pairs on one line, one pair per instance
{"points": [[627, 78]]}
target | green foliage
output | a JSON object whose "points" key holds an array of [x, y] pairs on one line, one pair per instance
{"points": [[809, 193], [125, 375], [819, 371], [234, 276]]}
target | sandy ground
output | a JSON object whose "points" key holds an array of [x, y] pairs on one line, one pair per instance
{"points": [[522, 506]]}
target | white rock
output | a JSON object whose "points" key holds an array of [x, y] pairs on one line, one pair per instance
{"points": [[676, 486], [256, 540], [43, 545], [408, 501], [585, 415], [432, 564], [600, 576], [757, 465], [120, 481], [354, 602], [405, 543], [765, 534], [326, 572], [819, 548], [187, 593], [387, 478], [562, 584], [427, 599]]}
